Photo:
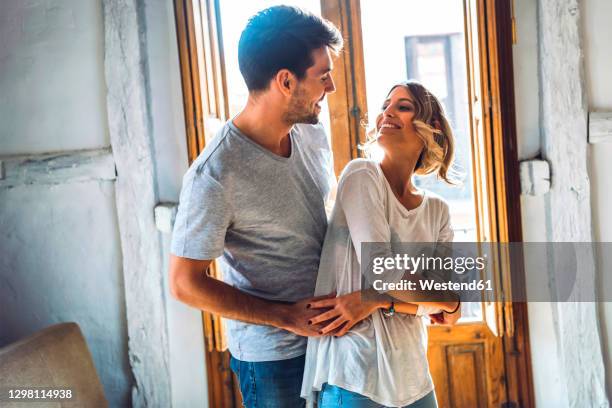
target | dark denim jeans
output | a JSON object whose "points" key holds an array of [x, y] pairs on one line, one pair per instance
{"points": [[336, 397], [270, 384]]}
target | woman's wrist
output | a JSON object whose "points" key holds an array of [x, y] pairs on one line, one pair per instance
{"points": [[389, 311], [456, 308], [450, 306], [384, 304]]}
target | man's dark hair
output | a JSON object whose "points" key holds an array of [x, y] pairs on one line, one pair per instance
{"points": [[282, 37]]}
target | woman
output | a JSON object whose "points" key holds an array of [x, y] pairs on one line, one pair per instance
{"points": [[373, 359]]}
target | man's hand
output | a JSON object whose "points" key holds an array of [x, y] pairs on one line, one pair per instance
{"points": [[344, 312], [296, 317], [190, 285]]}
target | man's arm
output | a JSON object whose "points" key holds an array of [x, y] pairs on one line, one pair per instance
{"points": [[190, 284]]}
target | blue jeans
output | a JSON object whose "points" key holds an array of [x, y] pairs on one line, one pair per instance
{"points": [[334, 397], [270, 384]]}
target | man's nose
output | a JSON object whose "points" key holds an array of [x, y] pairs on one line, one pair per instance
{"points": [[331, 87]]}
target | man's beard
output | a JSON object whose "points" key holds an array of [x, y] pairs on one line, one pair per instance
{"points": [[298, 110]]}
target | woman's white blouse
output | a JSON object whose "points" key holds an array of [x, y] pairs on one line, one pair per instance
{"points": [[382, 358]]}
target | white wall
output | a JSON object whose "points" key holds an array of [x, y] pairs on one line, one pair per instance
{"points": [[52, 84], [597, 32], [60, 258]]}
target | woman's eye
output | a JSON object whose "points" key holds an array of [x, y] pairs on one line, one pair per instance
{"points": [[405, 108]]}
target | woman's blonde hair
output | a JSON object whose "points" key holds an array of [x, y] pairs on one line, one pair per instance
{"points": [[433, 128]]}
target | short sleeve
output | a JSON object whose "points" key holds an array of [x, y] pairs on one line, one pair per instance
{"points": [[320, 161], [361, 198], [203, 217]]}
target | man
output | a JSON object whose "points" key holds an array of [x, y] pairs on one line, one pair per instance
{"points": [[256, 197]]}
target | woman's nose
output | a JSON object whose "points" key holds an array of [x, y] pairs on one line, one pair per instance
{"points": [[388, 111]]}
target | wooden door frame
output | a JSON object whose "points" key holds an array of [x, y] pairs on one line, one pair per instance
{"points": [[500, 29], [346, 108], [204, 96]]}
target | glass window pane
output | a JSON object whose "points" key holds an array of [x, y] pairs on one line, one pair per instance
{"points": [[424, 40]]}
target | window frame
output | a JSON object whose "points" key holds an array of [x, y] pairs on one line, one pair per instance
{"points": [[200, 46]]}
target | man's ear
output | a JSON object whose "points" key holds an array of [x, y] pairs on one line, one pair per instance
{"points": [[285, 81]]}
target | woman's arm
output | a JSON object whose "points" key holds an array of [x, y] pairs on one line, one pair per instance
{"points": [[348, 310], [360, 195], [404, 308]]}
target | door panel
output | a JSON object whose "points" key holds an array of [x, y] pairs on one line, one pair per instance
{"points": [[466, 386], [464, 363]]}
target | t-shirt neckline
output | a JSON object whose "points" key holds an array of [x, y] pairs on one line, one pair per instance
{"points": [[405, 212], [262, 149]]}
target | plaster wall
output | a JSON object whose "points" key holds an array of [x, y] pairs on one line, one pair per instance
{"points": [[51, 83], [61, 254], [60, 258]]}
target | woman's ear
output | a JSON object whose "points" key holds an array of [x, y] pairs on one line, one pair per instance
{"points": [[437, 125]]}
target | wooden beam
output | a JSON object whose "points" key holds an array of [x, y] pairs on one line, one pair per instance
{"points": [[600, 127], [564, 139], [129, 127], [57, 168]]}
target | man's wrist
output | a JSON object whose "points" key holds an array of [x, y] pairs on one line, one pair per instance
{"points": [[280, 316]]}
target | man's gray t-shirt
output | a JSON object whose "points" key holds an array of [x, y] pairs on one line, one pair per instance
{"points": [[264, 215]]}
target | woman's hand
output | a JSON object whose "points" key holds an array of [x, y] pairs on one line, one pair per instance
{"points": [[346, 311]]}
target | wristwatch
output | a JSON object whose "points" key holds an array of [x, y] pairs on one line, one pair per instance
{"points": [[390, 311]]}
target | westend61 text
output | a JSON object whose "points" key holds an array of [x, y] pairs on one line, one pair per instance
{"points": [[433, 285]]}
